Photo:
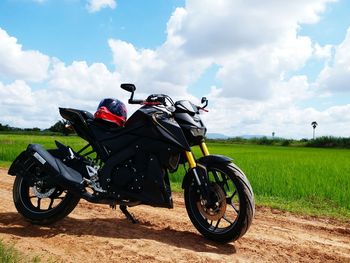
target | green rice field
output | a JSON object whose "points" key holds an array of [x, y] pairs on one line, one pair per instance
{"points": [[312, 181]]}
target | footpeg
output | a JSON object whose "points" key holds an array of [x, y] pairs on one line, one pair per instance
{"points": [[129, 216]]}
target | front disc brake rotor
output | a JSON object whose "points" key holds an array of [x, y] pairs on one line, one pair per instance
{"points": [[218, 209]]}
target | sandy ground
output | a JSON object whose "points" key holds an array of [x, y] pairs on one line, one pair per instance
{"points": [[96, 233]]}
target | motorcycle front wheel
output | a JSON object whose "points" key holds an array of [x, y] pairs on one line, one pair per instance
{"points": [[230, 213]]}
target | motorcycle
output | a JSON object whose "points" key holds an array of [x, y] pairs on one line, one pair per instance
{"points": [[130, 165]]}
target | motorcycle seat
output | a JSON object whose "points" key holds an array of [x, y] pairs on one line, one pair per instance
{"points": [[87, 115], [71, 114]]}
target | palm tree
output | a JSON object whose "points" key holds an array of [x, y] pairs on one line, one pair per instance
{"points": [[314, 125]]}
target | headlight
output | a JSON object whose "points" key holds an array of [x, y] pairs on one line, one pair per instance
{"points": [[198, 131]]}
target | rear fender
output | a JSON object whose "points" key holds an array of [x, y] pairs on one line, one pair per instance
{"points": [[55, 170], [22, 166], [22, 162]]}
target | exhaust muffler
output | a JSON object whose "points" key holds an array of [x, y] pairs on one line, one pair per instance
{"points": [[60, 173]]}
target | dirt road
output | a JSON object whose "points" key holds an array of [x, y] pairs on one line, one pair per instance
{"points": [[95, 233]]}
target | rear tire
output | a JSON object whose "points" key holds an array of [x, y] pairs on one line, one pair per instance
{"points": [[52, 205], [232, 214]]}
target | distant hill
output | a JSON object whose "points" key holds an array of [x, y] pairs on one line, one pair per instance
{"points": [[253, 136], [217, 136], [221, 136]]}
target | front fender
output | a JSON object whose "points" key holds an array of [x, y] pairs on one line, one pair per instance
{"points": [[214, 158], [205, 161]]}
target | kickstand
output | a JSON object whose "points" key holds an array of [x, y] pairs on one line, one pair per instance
{"points": [[127, 214]]}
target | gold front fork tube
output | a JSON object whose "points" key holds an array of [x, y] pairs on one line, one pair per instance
{"points": [[204, 149], [191, 160]]}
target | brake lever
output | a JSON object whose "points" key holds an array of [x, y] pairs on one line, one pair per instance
{"points": [[201, 108], [151, 103], [155, 99]]}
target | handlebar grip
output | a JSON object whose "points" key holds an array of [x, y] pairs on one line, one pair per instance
{"points": [[136, 101]]}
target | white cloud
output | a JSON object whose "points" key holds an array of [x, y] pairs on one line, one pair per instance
{"points": [[335, 77], [96, 5], [17, 63], [236, 117], [221, 27], [22, 107], [78, 85], [82, 81], [163, 70], [253, 47], [323, 52], [255, 44], [14, 92]]}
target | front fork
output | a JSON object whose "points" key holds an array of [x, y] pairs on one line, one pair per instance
{"points": [[204, 149], [200, 171], [190, 157]]}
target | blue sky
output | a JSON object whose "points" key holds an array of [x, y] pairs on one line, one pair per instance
{"points": [[65, 29], [272, 67]]}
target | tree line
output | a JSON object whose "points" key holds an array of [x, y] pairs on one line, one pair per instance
{"points": [[323, 141], [58, 127]]}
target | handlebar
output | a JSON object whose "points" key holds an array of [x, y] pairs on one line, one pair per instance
{"points": [[132, 101], [156, 99], [160, 99], [153, 99]]}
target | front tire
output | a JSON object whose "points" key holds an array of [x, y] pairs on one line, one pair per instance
{"points": [[230, 216], [42, 206]]}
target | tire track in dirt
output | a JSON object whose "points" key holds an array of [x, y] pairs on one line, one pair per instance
{"points": [[94, 233]]}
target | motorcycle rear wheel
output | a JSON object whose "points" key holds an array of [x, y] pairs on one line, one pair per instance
{"points": [[40, 205], [231, 214]]}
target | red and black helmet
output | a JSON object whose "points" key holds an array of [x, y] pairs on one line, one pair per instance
{"points": [[112, 110]]}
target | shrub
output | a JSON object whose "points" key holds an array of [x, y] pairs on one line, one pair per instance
{"points": [[264, 141], [285, 142], [329, 142]]}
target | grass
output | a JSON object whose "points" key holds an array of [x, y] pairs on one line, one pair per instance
{"points": [[13, 144], [313, 181], [322, 142], [8, 254]]}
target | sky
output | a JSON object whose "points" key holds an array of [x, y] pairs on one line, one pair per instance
{"points": [[265, 66]]}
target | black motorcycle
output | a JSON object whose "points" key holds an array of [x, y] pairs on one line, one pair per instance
{"points": [[130, 165]]}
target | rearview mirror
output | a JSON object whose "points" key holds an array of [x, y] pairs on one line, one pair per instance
{"points": [[205, 101], [128, 87]]}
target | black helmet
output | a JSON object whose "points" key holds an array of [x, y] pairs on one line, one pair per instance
{"points": [[112, 110]]}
